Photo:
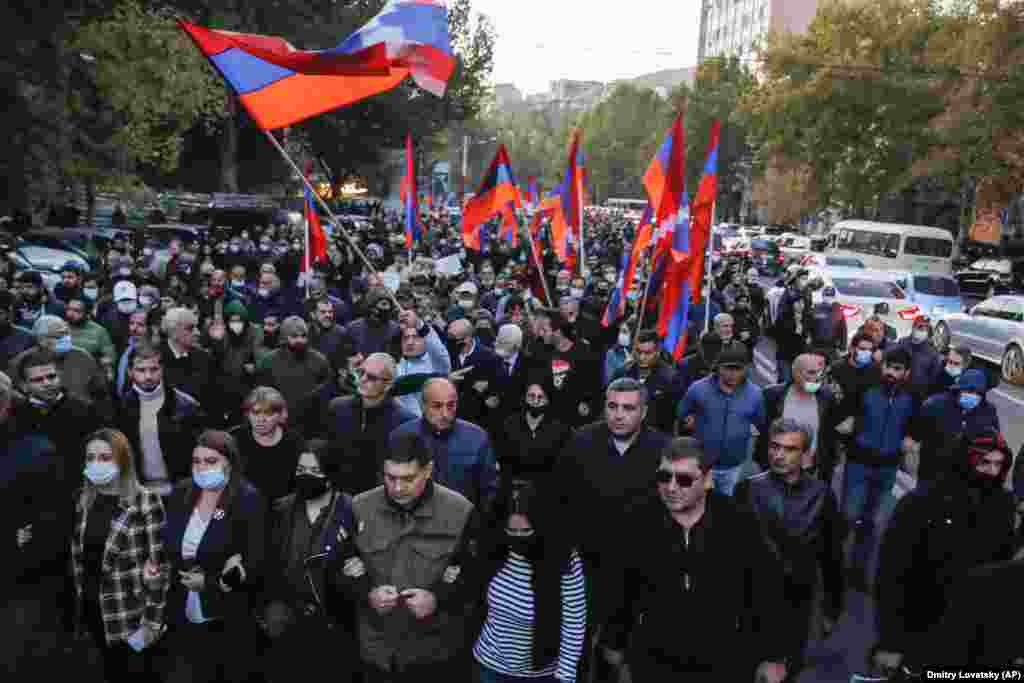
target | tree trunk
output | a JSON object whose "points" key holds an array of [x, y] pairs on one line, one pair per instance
{"points": [[229, 153]]}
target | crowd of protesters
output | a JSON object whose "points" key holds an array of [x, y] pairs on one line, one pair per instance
{"points": [[218, 467]]}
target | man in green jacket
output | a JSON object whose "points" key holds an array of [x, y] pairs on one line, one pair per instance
{"points": [[89, 335]]}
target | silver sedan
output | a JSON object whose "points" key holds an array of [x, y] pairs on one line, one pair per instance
{"points": [[993, 330]]}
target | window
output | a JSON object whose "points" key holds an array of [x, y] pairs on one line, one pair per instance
{"points": [[1013, 310], [986, 309], [885, 244], [843, 262], [928, 246], [936, 286], [872, 289]]}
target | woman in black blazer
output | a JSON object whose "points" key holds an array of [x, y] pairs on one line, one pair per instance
{"points": [[214, 539]]}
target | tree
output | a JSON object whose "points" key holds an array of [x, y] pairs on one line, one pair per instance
{"points": [[846, 97], [719, 86]]}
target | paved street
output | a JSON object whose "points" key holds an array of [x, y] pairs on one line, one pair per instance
{"points": [[845, 652]]}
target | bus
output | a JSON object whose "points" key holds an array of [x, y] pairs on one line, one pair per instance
{"points": [[893, 246], [634, 205]]}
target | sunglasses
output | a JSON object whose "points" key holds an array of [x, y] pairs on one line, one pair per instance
{"points": [[682, 480]]}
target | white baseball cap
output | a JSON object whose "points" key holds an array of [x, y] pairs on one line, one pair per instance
{"points": [[124, 291]]}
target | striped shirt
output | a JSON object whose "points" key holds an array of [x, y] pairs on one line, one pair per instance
{"points": [[505, 643]]}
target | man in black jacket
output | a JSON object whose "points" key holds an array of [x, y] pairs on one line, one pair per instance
{"points": [[800, 522], [807, 400], [187, 367], [162, 423], [939, 532], [708, 589], [603, 470], [657, 376], [36, 510], [358, 426]]}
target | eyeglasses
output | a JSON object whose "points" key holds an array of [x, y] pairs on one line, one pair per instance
{"points": [[682, 480]]}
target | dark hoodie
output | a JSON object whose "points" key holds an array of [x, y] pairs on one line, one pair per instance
{"points": [[939, 532]]}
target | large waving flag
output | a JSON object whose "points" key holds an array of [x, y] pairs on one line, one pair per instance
{"points": [[666, 174], [280, 86], [644, 233], [703, 206], [410, 200], [497, 189]]}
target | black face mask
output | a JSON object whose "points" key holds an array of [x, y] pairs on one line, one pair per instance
{"points": [[537, 411], [378, 316], [309, 486], [520, 545]]}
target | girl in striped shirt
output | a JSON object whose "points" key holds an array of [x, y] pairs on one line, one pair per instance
{"points": [[532, 582]]}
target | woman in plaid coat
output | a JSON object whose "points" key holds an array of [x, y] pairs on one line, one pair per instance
{"points": [[119, 569]]}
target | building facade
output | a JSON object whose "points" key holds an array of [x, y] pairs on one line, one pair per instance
{"points": [[733, 27]]}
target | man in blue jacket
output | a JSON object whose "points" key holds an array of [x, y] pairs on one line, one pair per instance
{"points": [[948, 418], [721, 409], [463, 458], [881, 435]]}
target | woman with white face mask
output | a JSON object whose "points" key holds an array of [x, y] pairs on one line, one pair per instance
{"points": [[214, 538], [115, 538]]}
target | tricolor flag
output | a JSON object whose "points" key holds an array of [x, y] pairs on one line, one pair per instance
{"points": [[410, 200], [685, 269], [497, 189], [616, 307], [572, 187], [666, 174], [280, 86], [316, 240], [509, 230]]}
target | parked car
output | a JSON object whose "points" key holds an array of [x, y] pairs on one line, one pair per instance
{"points": [[862, 293], [935, 294], [47, 260], [994, 331], [991, 277], [830, 261], [795, 247], [766, 256]]}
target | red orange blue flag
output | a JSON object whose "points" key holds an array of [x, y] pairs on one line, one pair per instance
{"points": [[410, 200], [280, 86], [666, 174], [497, 189]]}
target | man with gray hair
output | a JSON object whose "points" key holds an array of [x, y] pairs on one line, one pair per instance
{"points": [[463, 458], [358, 427], [725, 326], [294, 369], [505, 397], [800, 522], [187, 367]]}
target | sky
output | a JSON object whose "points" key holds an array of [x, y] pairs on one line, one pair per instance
{"points": [[545, 40]]}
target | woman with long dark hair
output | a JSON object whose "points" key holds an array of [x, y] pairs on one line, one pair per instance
{"points": [[312, 534], [533, 586], [215, 537], [115, 543]]}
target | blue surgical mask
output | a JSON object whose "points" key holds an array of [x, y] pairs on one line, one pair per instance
{"points": [[213, 478], [101, 473], [62, 344], [812, 387], [862, 358], [954, 371], [91, 293], [969, 401]]}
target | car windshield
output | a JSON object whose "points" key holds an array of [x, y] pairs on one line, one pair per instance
{"points": [[870, 289], [844, 262], [990, 266], [936, 286]]}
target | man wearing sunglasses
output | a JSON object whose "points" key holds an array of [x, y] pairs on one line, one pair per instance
{"points": [[800, 523], [688, 561], [807, 399]]}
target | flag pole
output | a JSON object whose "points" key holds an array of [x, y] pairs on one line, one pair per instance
{"points": [[540, 266], [323, 204], [309, 261], [707, 269], [643, 304]]}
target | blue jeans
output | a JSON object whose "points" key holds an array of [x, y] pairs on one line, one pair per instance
{"points": [[487, 675], [726, 478], [865, 489]]}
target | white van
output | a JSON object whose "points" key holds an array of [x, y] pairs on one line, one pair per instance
{"points": [[893, 246]]}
